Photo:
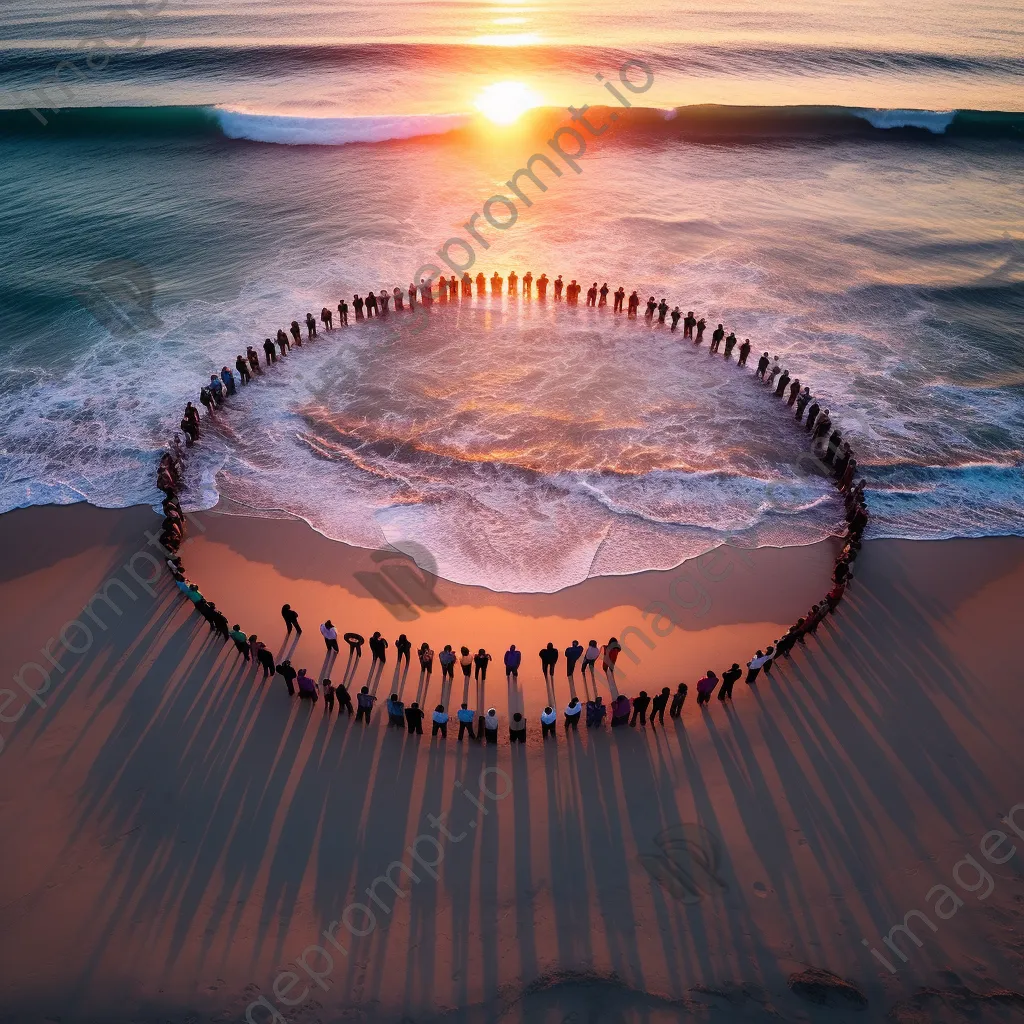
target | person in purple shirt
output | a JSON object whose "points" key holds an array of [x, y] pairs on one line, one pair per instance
{"points": [[512, 661]]}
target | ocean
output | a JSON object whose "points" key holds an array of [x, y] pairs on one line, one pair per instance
{"points": [[841, 186]]}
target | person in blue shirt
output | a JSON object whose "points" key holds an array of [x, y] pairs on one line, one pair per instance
{"points": [[396, 711], [572, 655], [512, 662], [447, 659], [229, 380], [465, 717]]}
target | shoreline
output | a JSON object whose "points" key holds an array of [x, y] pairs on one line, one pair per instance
{"points": [[193, 831]]}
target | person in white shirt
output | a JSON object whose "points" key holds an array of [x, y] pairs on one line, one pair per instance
{"points": [[547, 723], [440, 722], [572, 714], [491, 725], [755, 665], [330, 635]]}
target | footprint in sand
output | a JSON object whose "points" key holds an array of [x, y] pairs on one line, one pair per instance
{"points": [[686, 862]]}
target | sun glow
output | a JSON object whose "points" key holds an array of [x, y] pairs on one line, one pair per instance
{"points": [[504, 102]]}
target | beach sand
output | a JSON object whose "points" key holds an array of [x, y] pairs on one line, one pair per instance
{"points": [[176, 837]]}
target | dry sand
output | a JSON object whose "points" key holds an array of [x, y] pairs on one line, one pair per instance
{"points": [[174, 834]]}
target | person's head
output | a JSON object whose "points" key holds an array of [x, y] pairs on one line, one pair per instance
{"points": [[517, 717], [481, 652], [491, 713], [236, 628], [593, 643], [760, 653], [551, 647], [424, 647], [547, 710], [599, 699], [327, 682], [286, 607], [681, 688], [376, 635], [613, 641], [643, 693], [665, 691], [415, 705], [365, 689], [302, 671], [770, 650], [440, 707], [394, 698], [447, 647], [465, 706], [329, 624], [735, 666], [575, 643], [574, 702], [512, 647], [464, 651]]}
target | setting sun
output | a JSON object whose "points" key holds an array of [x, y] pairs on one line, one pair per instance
{"points": [[504, 102]]}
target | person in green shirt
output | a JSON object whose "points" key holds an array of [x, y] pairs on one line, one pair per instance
{"points": [[241, 641]]}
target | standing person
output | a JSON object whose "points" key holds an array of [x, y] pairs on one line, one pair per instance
{"points": [[595, 712], [513, 283], [558, 288], [271, 352], [592, 295], [716, 337], [689, 322], [678, 699], [330, 635], [308, 690], [620, 298], [603, 301], [242, 367], [355, 644], [254, 359], [762, 365], [491, 725], [754, 666], [542, 287], [729, 679], [783, 382], [640, 704], [706, 686], [528, 284], [675, 317], [658, 705], [287, 673], [620, 710], [730, 344], [513, 658], [241, 641], [291, 619], [812, 415], [769, 653], [466, 663], [440, 717], [794, 390], [774, 370], [548, 660], [364, 704], [328, 696], [403, 648], [426, 656], [548, 718], [414, 718], [296, 332], [371, 305], [266, 660], [399, 298], [662, 311], [466, 716], [609, 655], [344, 700], [481, 285], [396, 712], [702, 326], [357, 304], [446, 659], [480, 660], [744, 352], [310, 326], [802, 402], [572, 655], [573, 710], [343, 318], [652, 305], [517, 729], [633, 305], [379, 649], [590, 657]]}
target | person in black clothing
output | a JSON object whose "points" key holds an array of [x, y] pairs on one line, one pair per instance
{"points": [[678, 699], [640, 704], [794, 390], [357, 303], [620, 297], [414, 718], [328, 696], [343, 313], [762, 365], [266, 661], [662, 311], [688, 324], [801, 403], [659, 704], [220, 623], [378, 648], [604, 295], [729, 680], [291, 619], [652, 305], [371, 305], [832, 448], [296, 332], [243, 369], [730, 344], [781, 386], [403, 647], [548, 660], [288, 674], [311, 326], [812, 415], [716, 337], [744, 352], [344, 700], [675, 317], [268, 347]]}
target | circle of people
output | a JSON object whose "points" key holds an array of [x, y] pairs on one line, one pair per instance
{"points": [[835, 458]]}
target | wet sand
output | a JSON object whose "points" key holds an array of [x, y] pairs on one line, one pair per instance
{"points": [[175, 834]]}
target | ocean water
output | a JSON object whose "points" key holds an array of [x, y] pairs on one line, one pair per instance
{"points": [[842, 186]]}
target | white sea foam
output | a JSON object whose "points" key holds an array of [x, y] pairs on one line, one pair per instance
{"points": [[935, 121]]}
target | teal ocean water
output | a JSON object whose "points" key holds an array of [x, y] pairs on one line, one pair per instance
{"points": [[843, 189]]}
